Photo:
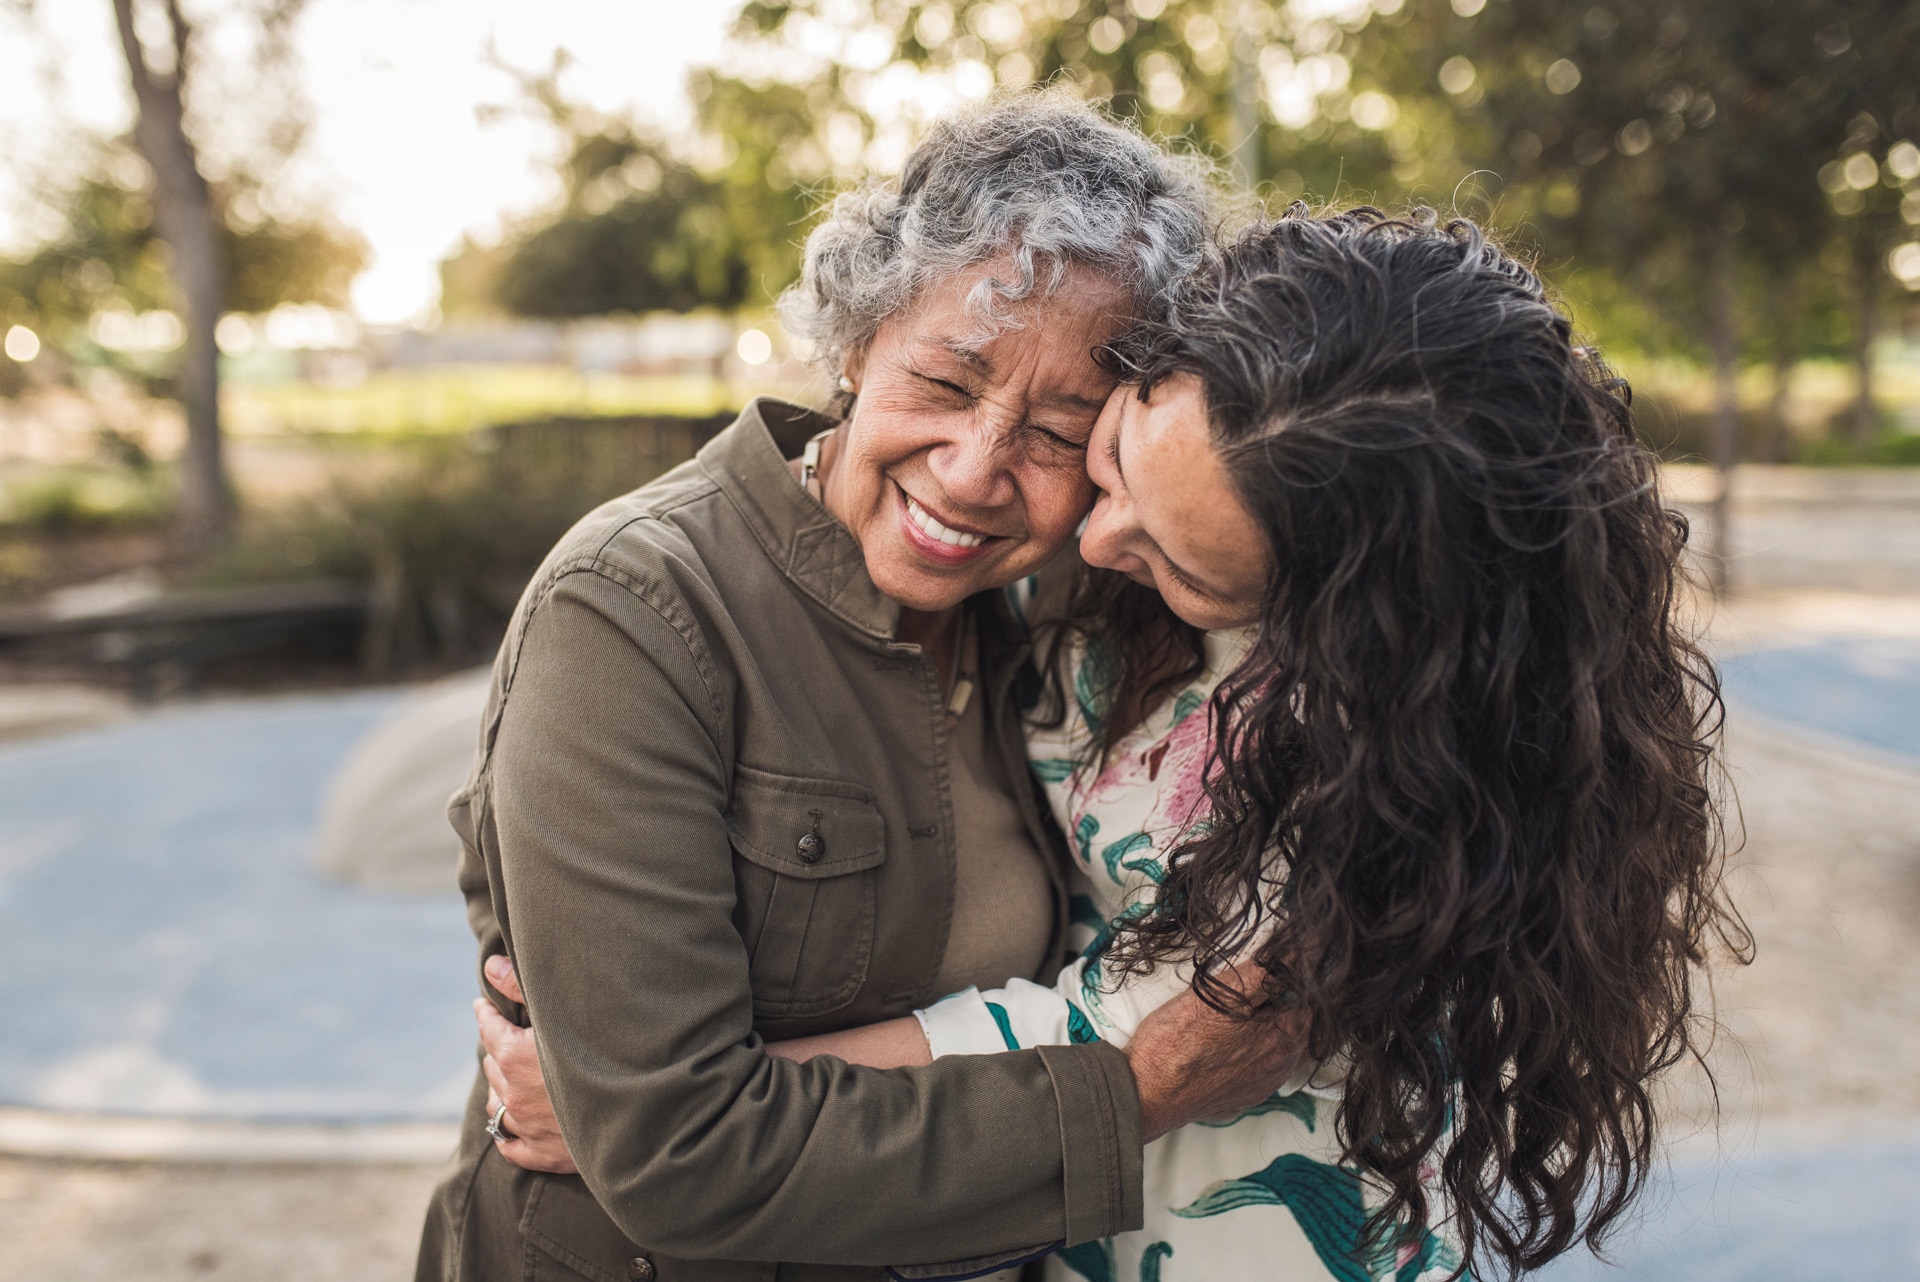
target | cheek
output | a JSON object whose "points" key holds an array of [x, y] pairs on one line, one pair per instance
{"points": [[873, 448], [1057, 500]]}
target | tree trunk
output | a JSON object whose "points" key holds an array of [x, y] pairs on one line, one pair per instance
{"points": [[1786, 356], [1724, 337], [1780, 448], [184, 218], [1866, 328], [1244, 88]]}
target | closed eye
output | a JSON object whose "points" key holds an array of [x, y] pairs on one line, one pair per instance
{"points": [[1179, 576], [944, 385], [1059, 438]]}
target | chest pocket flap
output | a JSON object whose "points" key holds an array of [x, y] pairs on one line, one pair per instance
{"points": [[807, 852], [805, 827]]}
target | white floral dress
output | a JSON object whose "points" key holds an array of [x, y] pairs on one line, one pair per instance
{"points": [[1261, 1197]]}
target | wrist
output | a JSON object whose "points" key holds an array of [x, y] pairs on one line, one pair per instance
{"points": [[1156, 1096]]}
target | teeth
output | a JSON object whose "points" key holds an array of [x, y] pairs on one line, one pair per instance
{"points": [[934, 530]]}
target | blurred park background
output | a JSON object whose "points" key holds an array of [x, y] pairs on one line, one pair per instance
{"points": [[322, 319]]}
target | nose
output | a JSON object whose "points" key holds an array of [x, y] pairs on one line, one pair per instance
{"points": [[975, 467], [1107, 534]]}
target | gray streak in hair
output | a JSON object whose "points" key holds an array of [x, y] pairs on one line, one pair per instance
{"points": [[1039, 177]]}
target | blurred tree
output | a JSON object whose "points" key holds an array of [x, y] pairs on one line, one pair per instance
{"points": [[1686, 144], [107, 254], [183, 217], [642, 227], [220, 244], [1267, 87], [1720, 178]]}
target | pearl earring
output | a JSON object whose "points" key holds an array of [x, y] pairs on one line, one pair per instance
{"points": [[846, 384]]}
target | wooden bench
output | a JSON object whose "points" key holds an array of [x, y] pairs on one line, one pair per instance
{"points": [[180, 631]]}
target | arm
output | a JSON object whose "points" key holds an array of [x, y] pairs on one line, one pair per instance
{"points": [[615, 887], [1191, 1063]]}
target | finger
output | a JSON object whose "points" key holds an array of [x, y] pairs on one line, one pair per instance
{"points": [[496, 1078], [536, 1123], [501, 975], [552, 1158], [1246, 978], [501, 1119], [497, 1033]]}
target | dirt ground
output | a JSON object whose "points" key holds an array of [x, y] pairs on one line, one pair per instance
{"points": [[1821, 1032], [97, 1222]]}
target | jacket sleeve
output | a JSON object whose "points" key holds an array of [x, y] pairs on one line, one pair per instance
{"points": [[616, 896]]}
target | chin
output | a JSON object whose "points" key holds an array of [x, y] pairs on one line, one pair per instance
{"points": [[901, 574], [926, 592]]}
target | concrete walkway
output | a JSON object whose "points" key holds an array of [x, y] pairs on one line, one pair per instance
{"points": [[1827, 1215], [170, 953]]}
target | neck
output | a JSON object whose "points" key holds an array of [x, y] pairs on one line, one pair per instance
{"points": [[929, 628]]}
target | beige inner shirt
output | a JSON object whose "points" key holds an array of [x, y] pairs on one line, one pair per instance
{"points": [[1002, 902]]}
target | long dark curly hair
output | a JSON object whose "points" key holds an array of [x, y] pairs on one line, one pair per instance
{"points": [[1464, 802]]}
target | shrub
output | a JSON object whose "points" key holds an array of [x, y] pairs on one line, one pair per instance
{"points": [[70, 500], [446, 540]]}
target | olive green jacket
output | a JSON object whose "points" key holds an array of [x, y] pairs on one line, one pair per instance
{"points": [[700, 676]]}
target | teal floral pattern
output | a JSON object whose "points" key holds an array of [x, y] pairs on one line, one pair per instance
{"points": [[1328, 1205], [1260, 1196]]}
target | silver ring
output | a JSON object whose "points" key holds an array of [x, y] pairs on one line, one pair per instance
{"points": [[494, 1129]]}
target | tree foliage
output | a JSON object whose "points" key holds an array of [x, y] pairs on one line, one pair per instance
{"points": [[1678, 164], [107, 256], [643, 226]]}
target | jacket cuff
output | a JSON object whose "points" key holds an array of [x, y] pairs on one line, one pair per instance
{"points": [[961, 1270], [1100, 1146]]}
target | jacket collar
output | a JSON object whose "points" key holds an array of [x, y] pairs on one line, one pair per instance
{"points": [[819, 555]]}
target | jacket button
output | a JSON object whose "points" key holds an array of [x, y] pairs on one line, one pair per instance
{"points": [[812, 847], [640, 1269]]}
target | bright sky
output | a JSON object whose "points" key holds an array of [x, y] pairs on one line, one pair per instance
{"points": [[395, 85]]}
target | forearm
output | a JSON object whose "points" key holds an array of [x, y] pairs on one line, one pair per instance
{"points": [[894, 1043], [1189, 1063]]}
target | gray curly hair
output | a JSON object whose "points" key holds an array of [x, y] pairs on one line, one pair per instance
{"points": [[1039, 176]]}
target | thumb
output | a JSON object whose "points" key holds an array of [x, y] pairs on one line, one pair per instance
{"points": [[500, 973]]}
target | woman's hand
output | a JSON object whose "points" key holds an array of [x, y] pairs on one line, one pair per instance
{"points": [[512, 1066], [1191, 1063]]}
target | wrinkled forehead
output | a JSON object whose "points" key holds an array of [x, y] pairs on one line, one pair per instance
{"points": [[1015, 290]]}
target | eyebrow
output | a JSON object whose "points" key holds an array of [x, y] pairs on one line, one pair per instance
{"points": [[1074, 400], [962, 351]]}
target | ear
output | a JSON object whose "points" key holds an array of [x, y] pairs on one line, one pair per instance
{"points": [[854, 370]]}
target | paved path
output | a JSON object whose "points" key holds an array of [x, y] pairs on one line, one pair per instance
{"points": [[1862, 689], [168, 950], [1838, 1215]]}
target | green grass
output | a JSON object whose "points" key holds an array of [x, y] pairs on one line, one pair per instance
{"points": [[61, 500], [453, 400]]}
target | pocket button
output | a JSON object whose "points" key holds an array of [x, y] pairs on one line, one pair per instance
{"points": [[812, 846], [640, 1269]]}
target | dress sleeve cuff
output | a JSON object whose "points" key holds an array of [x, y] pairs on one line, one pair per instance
{"points": [[963, 1024]]}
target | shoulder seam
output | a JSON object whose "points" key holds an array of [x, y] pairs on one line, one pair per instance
{"points": [[654, 598], [706, 490]]}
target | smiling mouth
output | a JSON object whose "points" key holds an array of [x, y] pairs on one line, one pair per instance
{"points": [[930, 526]]}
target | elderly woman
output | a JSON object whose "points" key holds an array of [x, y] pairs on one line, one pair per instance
{"points": [[751, 769]]}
